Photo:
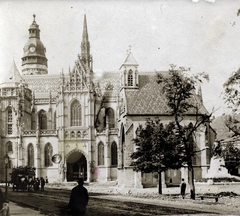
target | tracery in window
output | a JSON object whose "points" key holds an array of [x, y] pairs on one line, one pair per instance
{"points": [[48, 151], [9, 146], [111, 119], [76, 114], [114, 156], [100, 154], [30, 155], [130, 78], [42, 120]]}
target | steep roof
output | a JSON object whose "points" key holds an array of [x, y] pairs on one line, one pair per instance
{"points": [[13, 75], [149, 98], [220, 127], [41, 85], [129, 61]]}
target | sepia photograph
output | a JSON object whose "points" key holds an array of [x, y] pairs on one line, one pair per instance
{"points": [[113, 108]]}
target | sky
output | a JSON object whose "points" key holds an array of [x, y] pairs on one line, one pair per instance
{"points": [[203, 35]]}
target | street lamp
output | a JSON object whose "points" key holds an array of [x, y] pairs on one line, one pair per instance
{"points": [[6, 161]]}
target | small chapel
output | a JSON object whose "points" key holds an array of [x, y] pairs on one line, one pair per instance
{"points": [[78, 124]]}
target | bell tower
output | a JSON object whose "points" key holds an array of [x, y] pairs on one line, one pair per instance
{"points": [[129, 72], [34, 60]]}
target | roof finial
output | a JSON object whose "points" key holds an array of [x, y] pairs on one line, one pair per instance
{"points": [[34, 16], [84, 11], [130, 47]]}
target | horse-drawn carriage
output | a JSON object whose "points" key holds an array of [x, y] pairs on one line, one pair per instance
{"points": [[22, 178]]}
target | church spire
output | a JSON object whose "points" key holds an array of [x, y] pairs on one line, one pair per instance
{"points": [[85, 45]]}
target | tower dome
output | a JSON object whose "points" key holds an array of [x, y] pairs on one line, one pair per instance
{"points": [[34, 60]]}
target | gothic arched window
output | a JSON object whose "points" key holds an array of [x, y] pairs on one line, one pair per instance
{"points": [[111, 119], [100, 154], [30, 155], [48, 150], [76, 114], [114, 160], [42, 120], [9, 146], [130, 78]]}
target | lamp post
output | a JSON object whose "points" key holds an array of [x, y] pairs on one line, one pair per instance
{"points": [[6, 161]]}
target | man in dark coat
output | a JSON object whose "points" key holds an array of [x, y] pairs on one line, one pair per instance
{"points": [[1, 199], [78, 199], [183, 188]]}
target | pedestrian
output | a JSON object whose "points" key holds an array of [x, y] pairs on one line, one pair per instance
{"points": [[78, 199], [38, 184], [42, 183], [183, 188], [46, 180], [1, 199]]}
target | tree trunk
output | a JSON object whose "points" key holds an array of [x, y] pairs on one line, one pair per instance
{"points": [[160, 182], [191, 180]]}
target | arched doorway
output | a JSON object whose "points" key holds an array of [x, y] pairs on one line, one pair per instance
{"points": [[76, 166]]}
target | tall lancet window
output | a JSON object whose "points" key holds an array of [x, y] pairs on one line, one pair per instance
{"points": [[130, 78], [76, 114], [48, 151], [30, 155], [42, 120], [114, 155], [9, 121], [111, 119]]}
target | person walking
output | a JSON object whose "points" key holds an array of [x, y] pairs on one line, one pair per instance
{"points": [[78, 199], [1, 199], [183, 188], [42, 183]]}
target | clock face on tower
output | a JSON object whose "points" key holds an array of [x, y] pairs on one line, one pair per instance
{"points": [[32, 49]]}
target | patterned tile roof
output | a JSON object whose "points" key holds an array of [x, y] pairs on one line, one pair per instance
{"points": [[149, 98], [41, 85]]}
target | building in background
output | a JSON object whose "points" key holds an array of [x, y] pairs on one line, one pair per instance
{"points": [[79, 124]]}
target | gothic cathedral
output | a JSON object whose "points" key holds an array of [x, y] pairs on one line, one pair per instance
{"points": [[77, 124]]}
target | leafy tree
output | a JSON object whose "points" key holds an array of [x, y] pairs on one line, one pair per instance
{"points": [[179, 90], [158, 148], [231, 155], [232, 99]]}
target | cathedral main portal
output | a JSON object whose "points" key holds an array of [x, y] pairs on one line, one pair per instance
{"points": [[76, 166]]}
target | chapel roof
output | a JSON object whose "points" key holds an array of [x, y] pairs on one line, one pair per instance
{"points": [[149, 98]]}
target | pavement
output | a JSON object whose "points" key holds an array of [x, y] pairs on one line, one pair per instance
{"points": [[16, 209], [225, 205]]}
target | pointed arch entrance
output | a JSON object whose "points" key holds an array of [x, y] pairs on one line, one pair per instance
{"points": [[76, 166]]}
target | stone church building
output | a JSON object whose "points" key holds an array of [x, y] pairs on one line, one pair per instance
{"points": [[79, 124]]}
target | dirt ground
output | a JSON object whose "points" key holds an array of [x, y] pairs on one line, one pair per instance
{"points": [[54, 202], [111, 200]]}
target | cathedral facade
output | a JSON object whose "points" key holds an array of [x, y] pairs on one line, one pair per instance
{"points": [[77, 124]]}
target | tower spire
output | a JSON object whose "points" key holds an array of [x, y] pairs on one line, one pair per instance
{"points": [[85, 45]]}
